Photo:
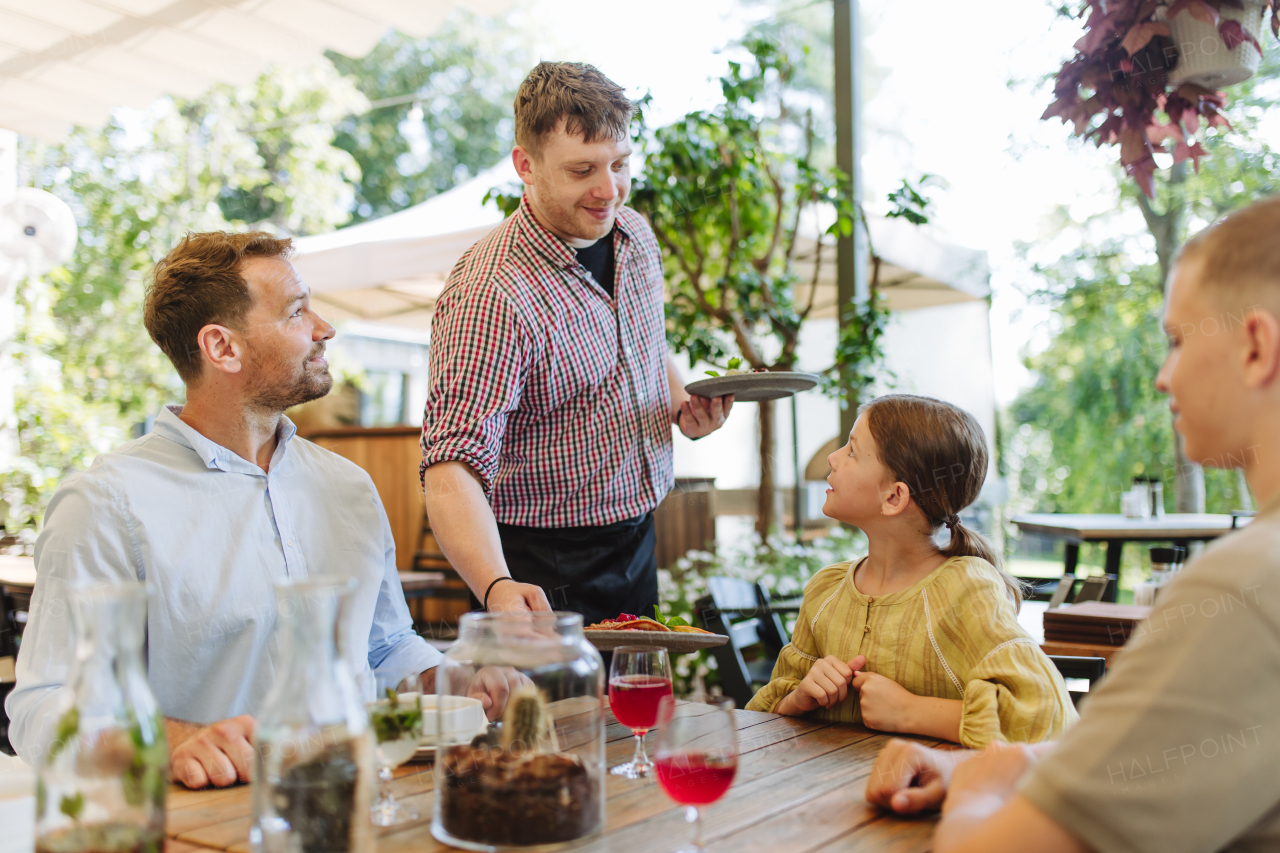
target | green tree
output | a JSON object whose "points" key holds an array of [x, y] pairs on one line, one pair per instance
{"points": [[724, 190], [441, 110], [1093, 419], [258, 156]]}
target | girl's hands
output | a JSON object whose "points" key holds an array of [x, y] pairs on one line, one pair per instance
{"points": [[826, 685], [886, 704]]}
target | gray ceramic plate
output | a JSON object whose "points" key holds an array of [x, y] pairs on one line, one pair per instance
{"points": [[753, 387], [672, 641]]}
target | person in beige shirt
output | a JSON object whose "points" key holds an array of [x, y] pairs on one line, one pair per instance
{"points": [[1179, 747]]}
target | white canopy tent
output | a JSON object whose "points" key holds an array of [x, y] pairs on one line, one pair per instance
{"points": [[393, 269], [71, 62]]}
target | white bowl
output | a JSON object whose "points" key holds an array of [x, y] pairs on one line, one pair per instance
{"points": [[462, 716]]}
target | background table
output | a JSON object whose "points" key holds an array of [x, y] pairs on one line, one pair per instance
{"points": [[799, 786], [1116, 530]]}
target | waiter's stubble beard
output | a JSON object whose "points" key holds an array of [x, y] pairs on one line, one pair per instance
{"points": [[563, 215], [280, 383]]}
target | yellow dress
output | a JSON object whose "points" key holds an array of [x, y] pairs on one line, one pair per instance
{"points": [[954, 634]]}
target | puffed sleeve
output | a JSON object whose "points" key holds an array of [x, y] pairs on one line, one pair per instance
{"points": [[1014, 694], [799, 655]]}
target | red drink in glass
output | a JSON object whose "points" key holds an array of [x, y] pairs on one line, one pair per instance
{"points": [[634, 699], [695, 779]]}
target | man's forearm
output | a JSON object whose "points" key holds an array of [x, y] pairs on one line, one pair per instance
{"points": [[463, 524], [676, 383]]}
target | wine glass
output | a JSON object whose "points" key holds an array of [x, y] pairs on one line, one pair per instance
{"points": [[696, 759], [395, 715], [638, 679]]}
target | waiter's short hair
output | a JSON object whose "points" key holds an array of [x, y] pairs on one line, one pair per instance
{"points": [[198, 283], [591, 105], [1239, 257]]}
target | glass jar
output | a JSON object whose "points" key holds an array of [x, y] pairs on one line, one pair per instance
{"points": [[534, 777], [100, 787], [313, 751]]}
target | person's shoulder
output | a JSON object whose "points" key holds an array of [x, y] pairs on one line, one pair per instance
{"points": [[825, 580], [492, 268], [637, 226], [972, 588], [339, 470]]}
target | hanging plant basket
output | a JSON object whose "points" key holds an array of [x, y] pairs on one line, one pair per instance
{"points": [[1216, 47], [1123, 88]]}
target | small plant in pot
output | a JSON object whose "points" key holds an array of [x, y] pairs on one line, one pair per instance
{"points": [[1146, 75]]}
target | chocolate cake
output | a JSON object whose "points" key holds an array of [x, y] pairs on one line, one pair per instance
{"points": [[506, 798]]}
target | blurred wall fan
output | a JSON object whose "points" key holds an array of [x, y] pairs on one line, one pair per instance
{"points": [[37, 233]]}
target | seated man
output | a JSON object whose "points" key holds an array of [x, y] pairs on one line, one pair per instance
{"points": [[1176, 749], [212, 508]]}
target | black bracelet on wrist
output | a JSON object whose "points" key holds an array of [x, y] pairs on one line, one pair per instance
{"points": [[496, 581]]}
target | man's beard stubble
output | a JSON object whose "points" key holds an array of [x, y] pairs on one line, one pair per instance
{"points": [[278, 396]]}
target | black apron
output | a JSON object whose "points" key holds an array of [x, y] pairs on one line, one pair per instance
{"points": [[596, 571]]}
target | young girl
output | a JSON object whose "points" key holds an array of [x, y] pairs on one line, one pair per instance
{"points": [[913, 638]]}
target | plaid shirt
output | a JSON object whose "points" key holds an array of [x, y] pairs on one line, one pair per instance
{"points": [[555, 394]]}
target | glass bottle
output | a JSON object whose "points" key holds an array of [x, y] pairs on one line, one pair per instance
{"points": [[100, 787], [313, 762], [528, 772]]}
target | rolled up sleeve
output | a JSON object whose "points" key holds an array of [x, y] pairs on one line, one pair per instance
{"points": [[478, 368]]}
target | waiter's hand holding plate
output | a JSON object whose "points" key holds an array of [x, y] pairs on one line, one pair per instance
{"points": [[701, 416]]}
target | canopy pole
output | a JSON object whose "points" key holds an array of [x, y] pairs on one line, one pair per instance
{"points": [[852, 287]]}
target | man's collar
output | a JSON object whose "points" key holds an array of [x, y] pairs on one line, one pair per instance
{"points": [[169, 425], [556, 250]]}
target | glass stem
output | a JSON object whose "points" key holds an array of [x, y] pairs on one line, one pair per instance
{"points": [[384, 777], [694, 816], [640, 760]]}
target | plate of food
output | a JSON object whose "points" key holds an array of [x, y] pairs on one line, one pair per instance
{"points": [[673, 634], [752, 386]]}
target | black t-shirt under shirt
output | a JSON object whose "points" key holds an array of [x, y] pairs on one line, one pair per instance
{"points": [[598, 259]]}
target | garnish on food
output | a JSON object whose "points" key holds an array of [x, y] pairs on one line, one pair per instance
{"points": [[627, 622]]}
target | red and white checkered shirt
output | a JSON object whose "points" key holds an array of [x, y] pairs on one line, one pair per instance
{"points": [[554, 393]]}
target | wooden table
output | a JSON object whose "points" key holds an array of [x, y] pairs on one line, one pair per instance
{"points": [[1116, 530], [799, 786], [18, 574]]}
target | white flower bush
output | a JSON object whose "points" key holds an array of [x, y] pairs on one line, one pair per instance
{"points": [[782, 566]]}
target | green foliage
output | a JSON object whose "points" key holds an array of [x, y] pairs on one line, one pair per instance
{"points": [[72, 806], [724, 190], [1093, 420], [68, 727], [442, 110], [262, 151], [391, 721], [148, 773], [780, 566]]}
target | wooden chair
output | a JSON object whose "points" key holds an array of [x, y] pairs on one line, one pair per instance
{"points": [[439, 601], [742, 611], [1080, 667]]}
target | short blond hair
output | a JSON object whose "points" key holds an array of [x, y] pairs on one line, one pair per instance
{"points": [[590, 104], [1238, 257]]}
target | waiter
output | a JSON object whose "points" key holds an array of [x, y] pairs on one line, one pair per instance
{"points": [[546, 441]]}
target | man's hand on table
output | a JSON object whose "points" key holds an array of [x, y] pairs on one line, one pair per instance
{"points": [[699, 416], [220, 753], [909, 777]]}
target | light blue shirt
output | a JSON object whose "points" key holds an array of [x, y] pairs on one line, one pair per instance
{"points": [[209, 533]]}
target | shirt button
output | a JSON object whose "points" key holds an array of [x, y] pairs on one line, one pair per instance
{"points": [[290, 543], [627, 350], [866, 629]]}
